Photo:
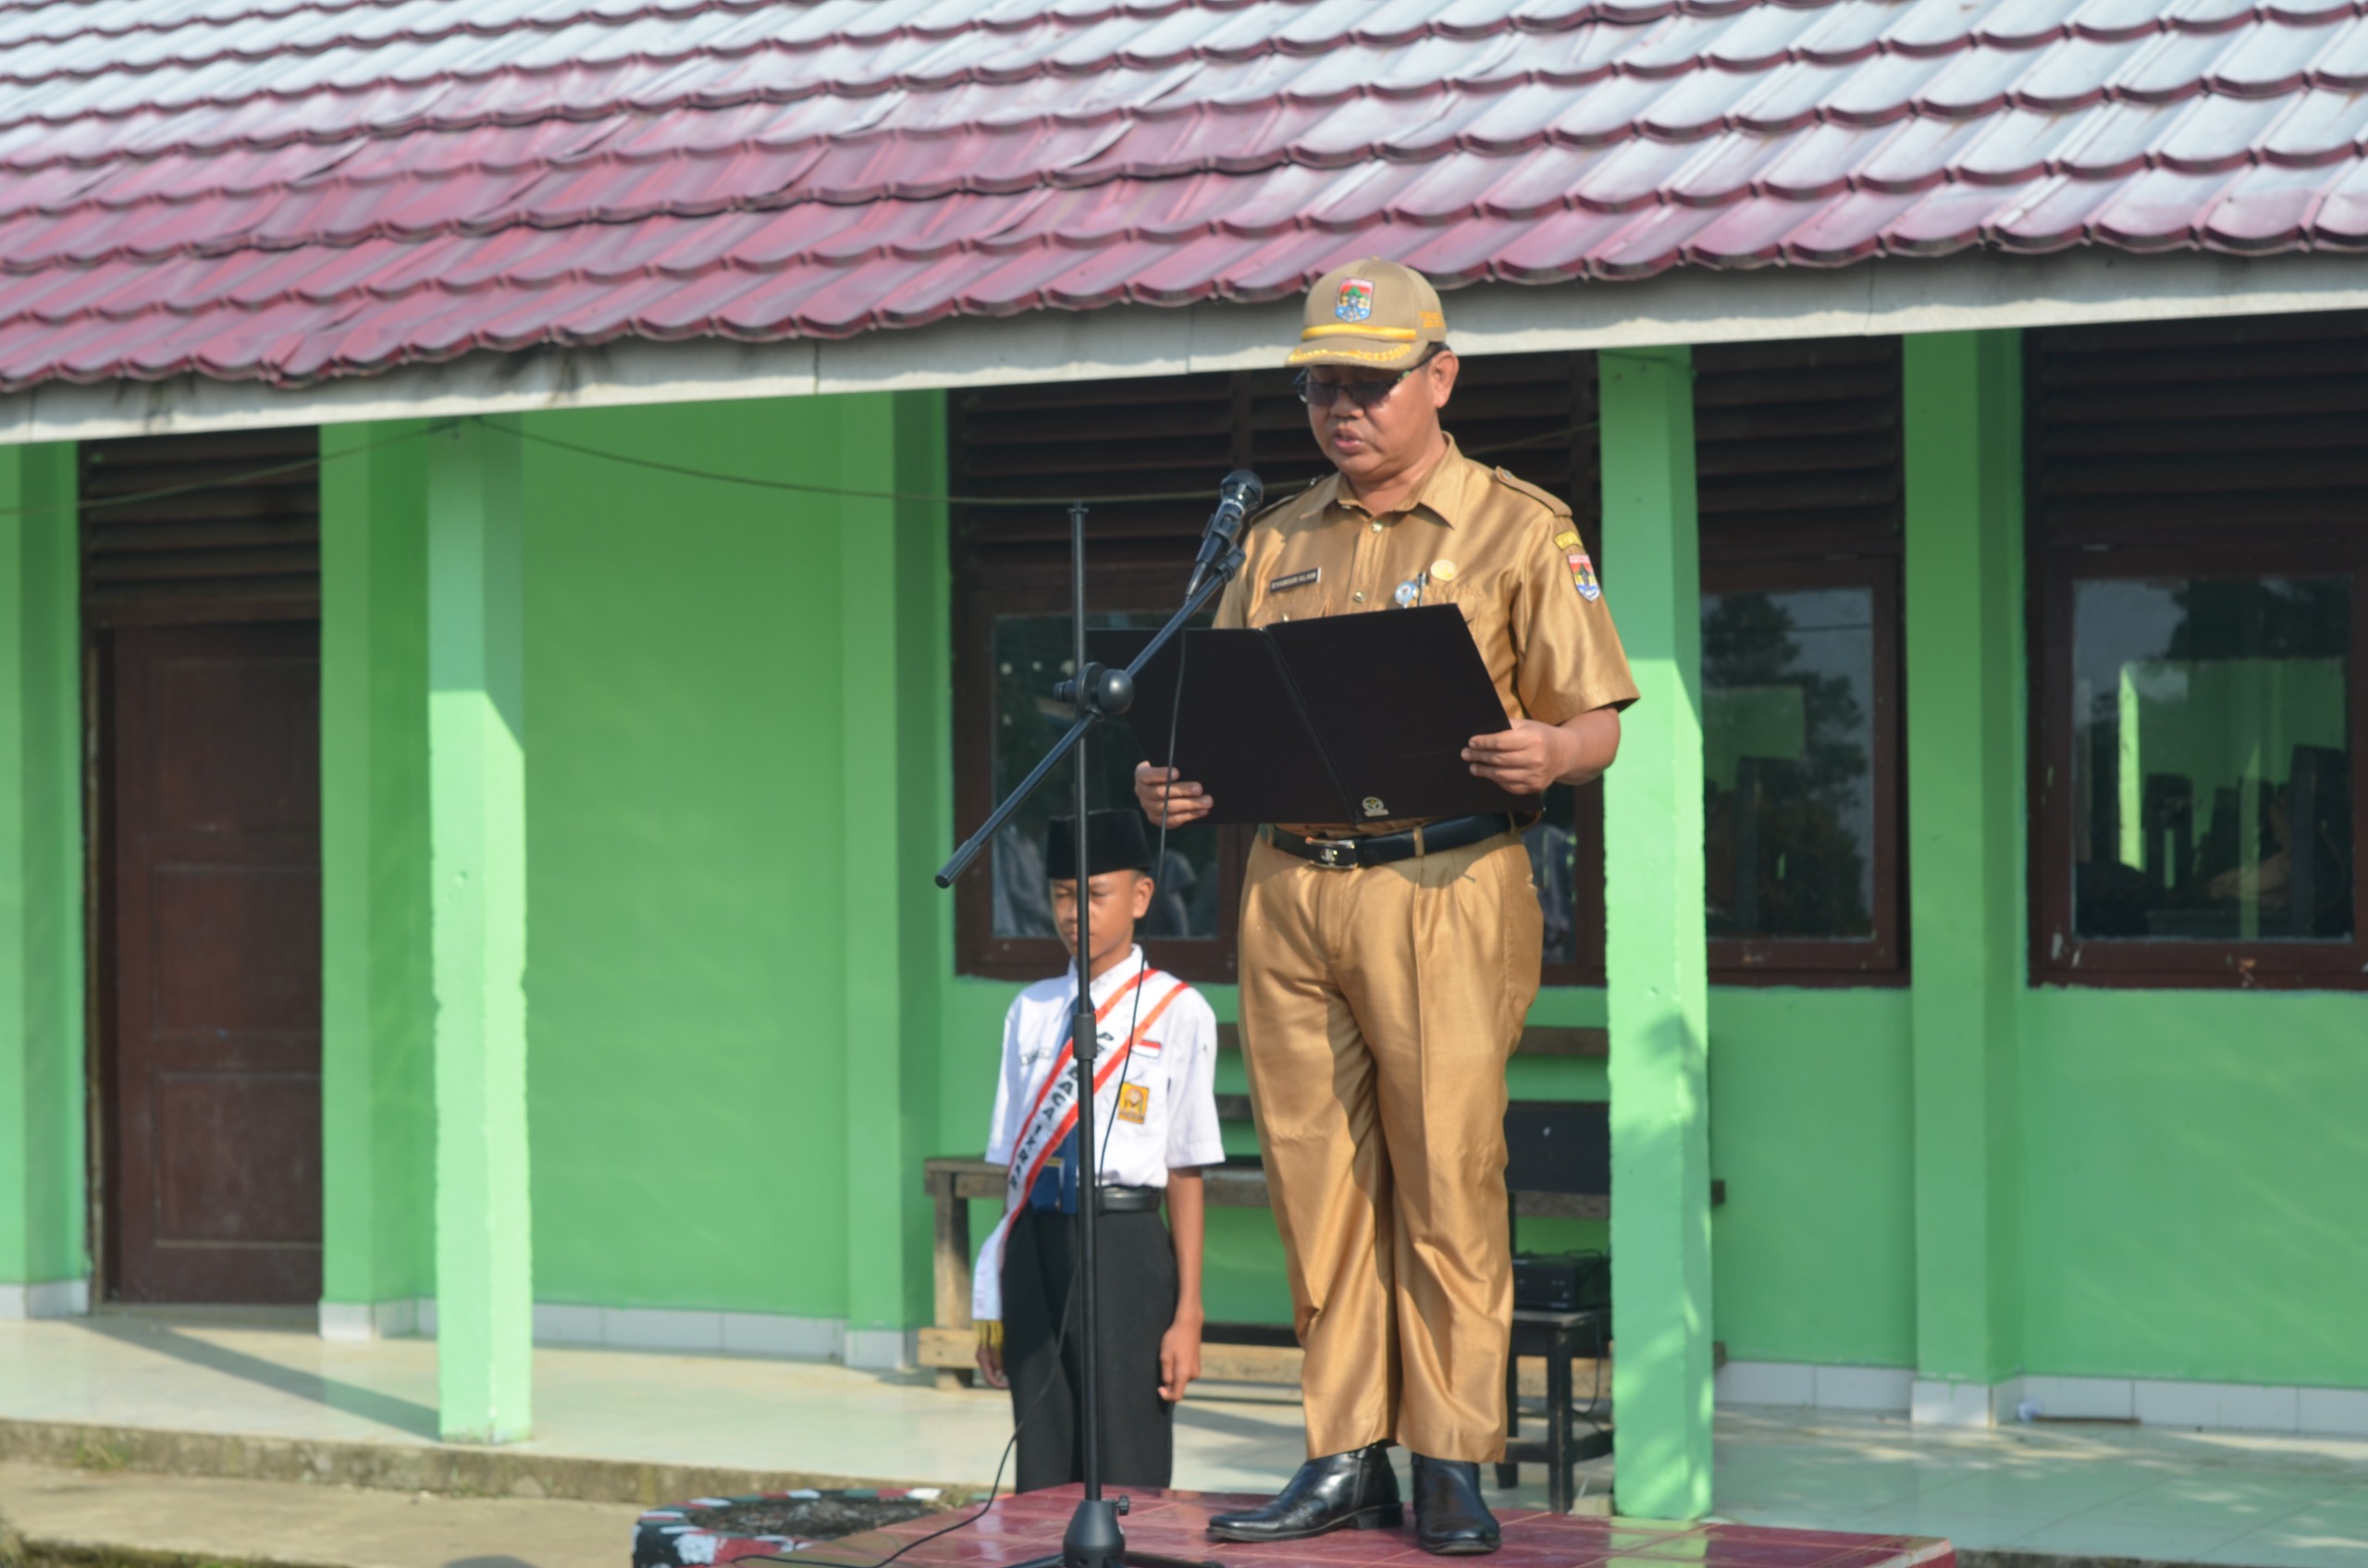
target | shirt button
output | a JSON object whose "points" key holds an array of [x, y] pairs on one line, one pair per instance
{"points": [[1377, 525], [1359, 596]]}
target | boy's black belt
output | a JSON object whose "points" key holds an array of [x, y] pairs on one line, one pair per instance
{"points": [[1118, 1200], [1381, 849]]}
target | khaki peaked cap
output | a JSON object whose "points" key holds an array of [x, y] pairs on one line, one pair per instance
{"points": [[1371, 312]]}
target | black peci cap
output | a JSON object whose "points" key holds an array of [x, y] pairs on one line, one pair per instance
{"points": [[1114, 842]]}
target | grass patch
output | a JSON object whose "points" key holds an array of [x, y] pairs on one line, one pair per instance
{"points": [[37, 1555], [102, 1455]]}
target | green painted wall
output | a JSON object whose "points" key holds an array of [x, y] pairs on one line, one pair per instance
{"points": [[2196, 1161], [41, 1216], [689, 812], [895, 829], [1811, 1096], [376, 1010]]}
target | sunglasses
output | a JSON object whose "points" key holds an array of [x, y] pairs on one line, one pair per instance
{"points": [[1364, 394]]}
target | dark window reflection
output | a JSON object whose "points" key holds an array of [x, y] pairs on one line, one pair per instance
{"points": [[2211, 763], [1787, 743], [1031, 655]]}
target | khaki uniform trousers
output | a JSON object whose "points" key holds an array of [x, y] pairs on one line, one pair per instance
{"points": [[1378, 1009]]}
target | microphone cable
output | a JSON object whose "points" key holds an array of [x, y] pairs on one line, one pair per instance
{"points": [[1076, 1264]]}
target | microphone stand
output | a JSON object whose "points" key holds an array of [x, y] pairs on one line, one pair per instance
{"points": [[1093, 1538]]}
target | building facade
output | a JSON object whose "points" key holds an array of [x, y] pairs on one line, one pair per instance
{"points": [[509, 588]]}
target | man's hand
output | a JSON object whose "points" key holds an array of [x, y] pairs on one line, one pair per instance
{"points": [[1533, 756], [1167, 801], [1524, 760], [1180, 1358], [991, 1367]]}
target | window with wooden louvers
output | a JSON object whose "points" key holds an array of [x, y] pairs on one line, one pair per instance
{"points": [[2198, 517]]}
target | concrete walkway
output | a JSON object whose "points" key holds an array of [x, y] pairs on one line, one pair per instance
{"points": [[313, 1403], [123, 1395], [307, 1526]]}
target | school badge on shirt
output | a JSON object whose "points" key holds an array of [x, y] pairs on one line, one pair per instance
{"points": [[1134, 1102], [1582, 570], [1355, 302]]}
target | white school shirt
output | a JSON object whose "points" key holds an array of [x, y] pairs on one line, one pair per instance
{"points": [[1175, 1065]]}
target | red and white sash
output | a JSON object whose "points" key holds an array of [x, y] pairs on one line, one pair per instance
{"points": [[1052, 1114]]}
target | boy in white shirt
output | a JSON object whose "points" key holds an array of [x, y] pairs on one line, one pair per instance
{"points": [[1155, 1120]]}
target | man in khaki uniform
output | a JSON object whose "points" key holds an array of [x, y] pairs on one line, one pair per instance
{"points": [[1386, 967]]}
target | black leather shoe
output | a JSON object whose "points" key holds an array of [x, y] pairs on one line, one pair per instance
{"points": [[1352, 1490], [1449, 1518]]}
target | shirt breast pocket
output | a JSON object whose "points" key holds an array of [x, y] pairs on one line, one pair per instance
{"points": [[1485, 612], [1478, 603]]}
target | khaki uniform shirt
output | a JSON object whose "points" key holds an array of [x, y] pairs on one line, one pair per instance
{"points": [[1504, 552]]}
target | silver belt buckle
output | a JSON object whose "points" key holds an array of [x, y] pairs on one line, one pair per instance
{"points": [[1329, 855]]}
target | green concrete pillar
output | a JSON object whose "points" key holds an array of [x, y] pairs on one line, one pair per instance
{"points": [[894, 831], [44, 1269], [1654, 953], [377, 1086], [1962, 402], [478, 822]]}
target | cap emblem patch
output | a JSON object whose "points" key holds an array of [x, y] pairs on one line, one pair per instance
{"points": [[1355, 302]]}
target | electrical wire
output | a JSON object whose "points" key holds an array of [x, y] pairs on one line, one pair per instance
{"points": [[231, 481], [273, 471], [1550, 437], [995, 1488]]}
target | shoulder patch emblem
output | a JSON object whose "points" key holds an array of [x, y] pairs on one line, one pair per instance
{"points": [[1583, 574], [1567, 539]]}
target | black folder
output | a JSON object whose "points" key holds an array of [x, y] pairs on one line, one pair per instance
{"points": [[1343, 719]]}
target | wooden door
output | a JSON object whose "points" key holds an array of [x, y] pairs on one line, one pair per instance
{"points": [[214, 917]]}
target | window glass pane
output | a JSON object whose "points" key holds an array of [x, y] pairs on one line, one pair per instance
{"points": [[1031, 655], [1787, 752], [1554, 865], [2211, 762]]}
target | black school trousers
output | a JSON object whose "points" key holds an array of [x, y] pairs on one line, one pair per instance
{"points": [[1135, 1265]]}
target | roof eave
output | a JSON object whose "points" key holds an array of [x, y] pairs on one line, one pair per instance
{"points": [[1687, 305]]}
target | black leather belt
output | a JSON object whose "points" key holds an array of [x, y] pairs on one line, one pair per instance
{"points": [[1131, 1200], [1380, 849]]}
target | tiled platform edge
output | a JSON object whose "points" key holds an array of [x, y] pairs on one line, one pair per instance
{"points": [[53, 1298], [2242, 1407], [408, 1467]]}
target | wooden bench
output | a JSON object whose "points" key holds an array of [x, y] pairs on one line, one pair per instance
{"points": [[1230, 1353]]}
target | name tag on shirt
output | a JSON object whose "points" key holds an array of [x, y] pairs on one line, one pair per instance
{"points": [[1308, 578]]}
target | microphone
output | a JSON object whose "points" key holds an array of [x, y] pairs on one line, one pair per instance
{"points": [[1237, 496]]}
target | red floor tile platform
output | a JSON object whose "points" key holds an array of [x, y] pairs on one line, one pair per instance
{"points": [[1172, 1524]]}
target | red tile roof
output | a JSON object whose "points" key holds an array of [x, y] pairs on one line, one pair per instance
{"points": [[294, 189]]}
